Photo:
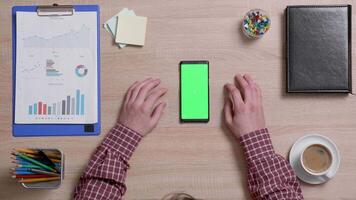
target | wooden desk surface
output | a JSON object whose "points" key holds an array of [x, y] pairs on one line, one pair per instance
{"points": [[200, 159]]}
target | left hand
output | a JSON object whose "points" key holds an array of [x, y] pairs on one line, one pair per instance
{"points": [[143, 106]]}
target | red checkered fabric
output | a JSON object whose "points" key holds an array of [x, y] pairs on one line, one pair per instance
{"points": [[104, 177], [269, 175]]}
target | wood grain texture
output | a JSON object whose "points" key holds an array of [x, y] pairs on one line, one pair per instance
{"points": [[200, 159]]}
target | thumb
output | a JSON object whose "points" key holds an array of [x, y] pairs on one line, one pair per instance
{"points": [[228, 110]]}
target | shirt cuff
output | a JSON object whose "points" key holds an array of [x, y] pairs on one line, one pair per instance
{"points": [[256, 144], [123, 140]]}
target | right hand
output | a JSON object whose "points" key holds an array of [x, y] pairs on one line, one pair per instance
{"points": [[243, 106], [143, 106]]}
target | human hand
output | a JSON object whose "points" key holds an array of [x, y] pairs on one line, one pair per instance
{"points": [[243, 106], [143, 106]]}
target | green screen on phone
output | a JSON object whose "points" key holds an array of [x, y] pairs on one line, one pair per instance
{"points": [[194, 91]]}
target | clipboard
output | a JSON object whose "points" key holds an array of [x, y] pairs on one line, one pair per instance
{"points": [[26, 130]]}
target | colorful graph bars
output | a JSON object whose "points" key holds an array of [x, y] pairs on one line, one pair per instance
{"points": [[67, 106]]}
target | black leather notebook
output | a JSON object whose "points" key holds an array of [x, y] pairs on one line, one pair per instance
{"points": [[319, 48]]}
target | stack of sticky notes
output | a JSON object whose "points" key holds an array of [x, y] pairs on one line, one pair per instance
{"points": [[126, 28]]}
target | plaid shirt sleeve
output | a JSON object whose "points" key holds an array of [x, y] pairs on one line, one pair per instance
{"points": [[270, 176], [104, 177]]}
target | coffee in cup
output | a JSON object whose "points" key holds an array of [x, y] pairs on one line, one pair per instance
{"points": [[316, 159]]}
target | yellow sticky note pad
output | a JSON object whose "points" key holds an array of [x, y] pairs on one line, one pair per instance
{"points": [[131, 30]]}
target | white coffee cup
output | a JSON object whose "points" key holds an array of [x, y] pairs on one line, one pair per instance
{"points": [[318, 156]]}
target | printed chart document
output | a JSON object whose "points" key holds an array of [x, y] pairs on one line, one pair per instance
{"points": [[56, 69]]}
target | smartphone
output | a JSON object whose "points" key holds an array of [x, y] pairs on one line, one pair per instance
{"points": [[194, 91]]}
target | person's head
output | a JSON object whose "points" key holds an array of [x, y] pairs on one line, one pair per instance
{"points": [[178, 196]]}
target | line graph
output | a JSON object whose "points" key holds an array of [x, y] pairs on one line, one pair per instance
{"points": [[31, 69], [71, 39]]}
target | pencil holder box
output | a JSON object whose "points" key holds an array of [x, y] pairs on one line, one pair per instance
{"points": [[54, 184]]}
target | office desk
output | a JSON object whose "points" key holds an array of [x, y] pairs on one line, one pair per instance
{"points": [[201, 159]]}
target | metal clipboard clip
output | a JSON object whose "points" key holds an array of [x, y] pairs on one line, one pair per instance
{"points": [[55, 10]]}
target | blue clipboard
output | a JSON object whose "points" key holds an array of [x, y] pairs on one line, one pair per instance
{"points": [[25, 130]]}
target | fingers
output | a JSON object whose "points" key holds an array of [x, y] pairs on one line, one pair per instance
{"points": [[145, 89], [157, 112], [136, 89], [255, 85], [249, 79], [244, 87], [252, 87], [228, 111], [154, 97], [129, 91], [235, 94]]}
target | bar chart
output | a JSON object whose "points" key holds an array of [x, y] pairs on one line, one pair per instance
{"points": [[70, 105]]}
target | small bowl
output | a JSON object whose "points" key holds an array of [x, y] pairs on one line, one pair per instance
{"points": [[256, 23]]}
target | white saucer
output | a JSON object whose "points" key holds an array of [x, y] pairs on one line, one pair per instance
{"points": [[300, 145]]}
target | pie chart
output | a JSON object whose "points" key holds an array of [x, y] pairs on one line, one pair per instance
{"points": [[81, 71]]}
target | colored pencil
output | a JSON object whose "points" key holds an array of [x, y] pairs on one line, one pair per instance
{"points": [[55, 160], [35, 162], [18, 159], [24, 167], [32, 153], [20, 169], [29, 166], [34, 180], [22, 172], [52, 159], [52, 154], [23, 162], [38, 171], [45, 160], [21, 150], [30, 176], [20, 162]]}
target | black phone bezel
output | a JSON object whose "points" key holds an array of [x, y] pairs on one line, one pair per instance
{"points": [[180, 91]]}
